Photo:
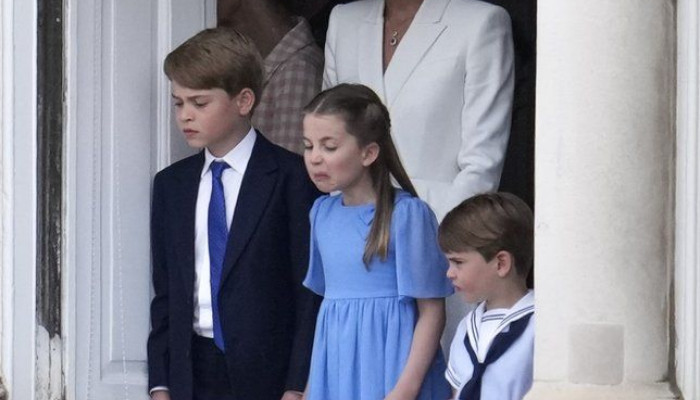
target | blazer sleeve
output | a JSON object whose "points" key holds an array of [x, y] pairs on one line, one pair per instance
{"points": [[157, 346], [487, 109], [300, 196], [330, 77]]}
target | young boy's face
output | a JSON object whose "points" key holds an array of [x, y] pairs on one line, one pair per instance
{"points": [[210, 118], [472, 276]]}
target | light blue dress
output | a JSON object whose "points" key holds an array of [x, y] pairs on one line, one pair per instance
{"points": [[365, 325]]}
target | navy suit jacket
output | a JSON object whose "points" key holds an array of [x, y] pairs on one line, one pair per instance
{"points": [[267, 316]]}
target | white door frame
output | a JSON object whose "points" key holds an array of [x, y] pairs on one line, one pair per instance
{"points": [[95, 43], [19, 171], [687, 273]]}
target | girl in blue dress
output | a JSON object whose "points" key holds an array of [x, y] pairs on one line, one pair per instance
{"points": [[374, 258]]}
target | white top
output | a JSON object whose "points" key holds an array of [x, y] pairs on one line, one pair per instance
{"points": [[510, 376], [232, 177], [448, 88]]}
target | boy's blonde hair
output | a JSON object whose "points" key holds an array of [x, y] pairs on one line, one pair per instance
{"points": [[220, 58], [489, 223]]}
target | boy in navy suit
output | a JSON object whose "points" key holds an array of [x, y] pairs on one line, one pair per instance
{"points": [[230, 319]]}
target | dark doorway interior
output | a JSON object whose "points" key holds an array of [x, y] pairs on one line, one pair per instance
{"points": [[50, 93]]}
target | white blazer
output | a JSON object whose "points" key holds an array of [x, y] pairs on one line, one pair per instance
{"points": [[448, 87]]}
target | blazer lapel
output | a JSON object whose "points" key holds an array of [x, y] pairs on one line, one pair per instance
{"points": [[187, 204], [422, 33], [370, 67], [256, 189]]}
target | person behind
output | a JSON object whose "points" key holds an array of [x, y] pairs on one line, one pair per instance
{"points": [[488, 240], [293, 63], [230, 318], [374, 258], [445, 70]]}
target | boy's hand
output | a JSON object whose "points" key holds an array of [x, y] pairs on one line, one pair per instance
{"points": [[160, 395], [292, 395]]}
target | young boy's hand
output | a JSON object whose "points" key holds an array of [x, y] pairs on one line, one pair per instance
{"points": [[292, 395], [160, 395]]}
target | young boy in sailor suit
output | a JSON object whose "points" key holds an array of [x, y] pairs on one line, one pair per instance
{"points": [[488, 240]]}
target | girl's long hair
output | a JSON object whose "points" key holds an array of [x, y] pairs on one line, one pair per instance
{"points": [[368, 120]]}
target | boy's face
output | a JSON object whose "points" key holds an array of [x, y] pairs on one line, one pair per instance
{"points": [[211, 118], [473, 277]]}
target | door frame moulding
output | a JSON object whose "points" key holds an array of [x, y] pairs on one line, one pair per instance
{"points": [[19, 197], [687, 256]]}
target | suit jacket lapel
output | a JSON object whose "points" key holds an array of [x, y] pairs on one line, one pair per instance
{"points": [[256, 188], [370, 67], [187, 205], [422, 33]]}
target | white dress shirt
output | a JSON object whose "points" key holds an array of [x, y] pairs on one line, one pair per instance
{"points": [[232, 177]]}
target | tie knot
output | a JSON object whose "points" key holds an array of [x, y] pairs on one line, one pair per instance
{"points": [[217, 168]]}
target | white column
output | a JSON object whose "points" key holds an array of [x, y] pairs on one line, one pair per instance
{"points": [[604, 187]]}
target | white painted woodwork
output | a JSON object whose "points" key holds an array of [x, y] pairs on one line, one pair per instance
{"points": [[119, 134], [19, 184], [687, 272]]}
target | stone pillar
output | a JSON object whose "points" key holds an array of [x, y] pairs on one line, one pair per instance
{"points": [[604, 196]]}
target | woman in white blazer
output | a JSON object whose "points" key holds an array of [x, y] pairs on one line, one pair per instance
{"points": [[448, 86]]}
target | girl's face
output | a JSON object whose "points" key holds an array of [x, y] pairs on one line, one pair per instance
{"points": [[335, 161]]}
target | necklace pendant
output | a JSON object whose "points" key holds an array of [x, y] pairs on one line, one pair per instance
{"points": [[394, 38]]}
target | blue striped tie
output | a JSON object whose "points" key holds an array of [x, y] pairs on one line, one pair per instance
{"points": [[218, 235]]}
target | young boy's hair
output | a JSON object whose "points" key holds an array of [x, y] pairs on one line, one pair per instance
{"points": [[489, 223], [220, 58]]}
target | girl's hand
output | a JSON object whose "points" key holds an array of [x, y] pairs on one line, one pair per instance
{"points": [[399, 393]]}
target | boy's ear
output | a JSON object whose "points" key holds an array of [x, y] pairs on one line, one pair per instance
{"points": [[370, 154], [504, 263], [245, 99]]}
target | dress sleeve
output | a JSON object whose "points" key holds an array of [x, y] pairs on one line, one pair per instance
{"points": [[315, 278], [420, 265]]}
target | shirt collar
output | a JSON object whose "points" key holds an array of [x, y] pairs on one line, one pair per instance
{"points": [[237, 158], [523, 307]]}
